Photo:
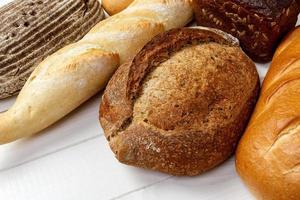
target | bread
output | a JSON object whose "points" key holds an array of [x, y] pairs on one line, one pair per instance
{"points": [[258, 24], [75, 73], [115, 6], [181, 105], [268, 156], [32, 30]]}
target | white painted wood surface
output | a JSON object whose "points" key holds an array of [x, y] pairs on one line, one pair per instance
{"points": [[72, 161]]}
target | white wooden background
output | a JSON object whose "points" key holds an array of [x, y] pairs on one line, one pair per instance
{"points": [[72, 161]]}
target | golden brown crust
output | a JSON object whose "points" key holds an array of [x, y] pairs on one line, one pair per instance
{"points": [[195, 123], [113, 7], [268, 156]]}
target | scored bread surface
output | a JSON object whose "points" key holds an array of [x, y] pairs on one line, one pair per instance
{"points": [[33, 29], [181, 105]]}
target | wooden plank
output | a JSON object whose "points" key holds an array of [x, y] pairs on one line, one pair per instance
{"points": [[86, 171], [78, 127], [220, 183]]}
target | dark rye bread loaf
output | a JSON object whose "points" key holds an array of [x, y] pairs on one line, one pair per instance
{"points": [[259, 24], [182, 104], [33, 29]]}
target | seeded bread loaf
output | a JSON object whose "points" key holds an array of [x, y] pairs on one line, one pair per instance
{"points": [[31, 30], [258, 24], [182, 104]]}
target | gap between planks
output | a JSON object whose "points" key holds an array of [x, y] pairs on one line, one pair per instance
{"points": [[140, 189]]}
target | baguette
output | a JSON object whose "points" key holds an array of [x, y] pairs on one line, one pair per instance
{"points": [[75, 73], [268, 156], [33, 29]]}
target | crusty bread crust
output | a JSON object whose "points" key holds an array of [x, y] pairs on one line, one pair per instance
{"points": [[268, 156], [168, 111]]}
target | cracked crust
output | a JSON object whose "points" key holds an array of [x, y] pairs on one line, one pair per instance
{"points": [[182, 104]]}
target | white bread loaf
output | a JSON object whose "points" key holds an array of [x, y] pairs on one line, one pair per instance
{"points": [[268, 156], [75, 73]]}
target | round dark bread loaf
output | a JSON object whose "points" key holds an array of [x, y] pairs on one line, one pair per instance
{"points": [[182, 104]]}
